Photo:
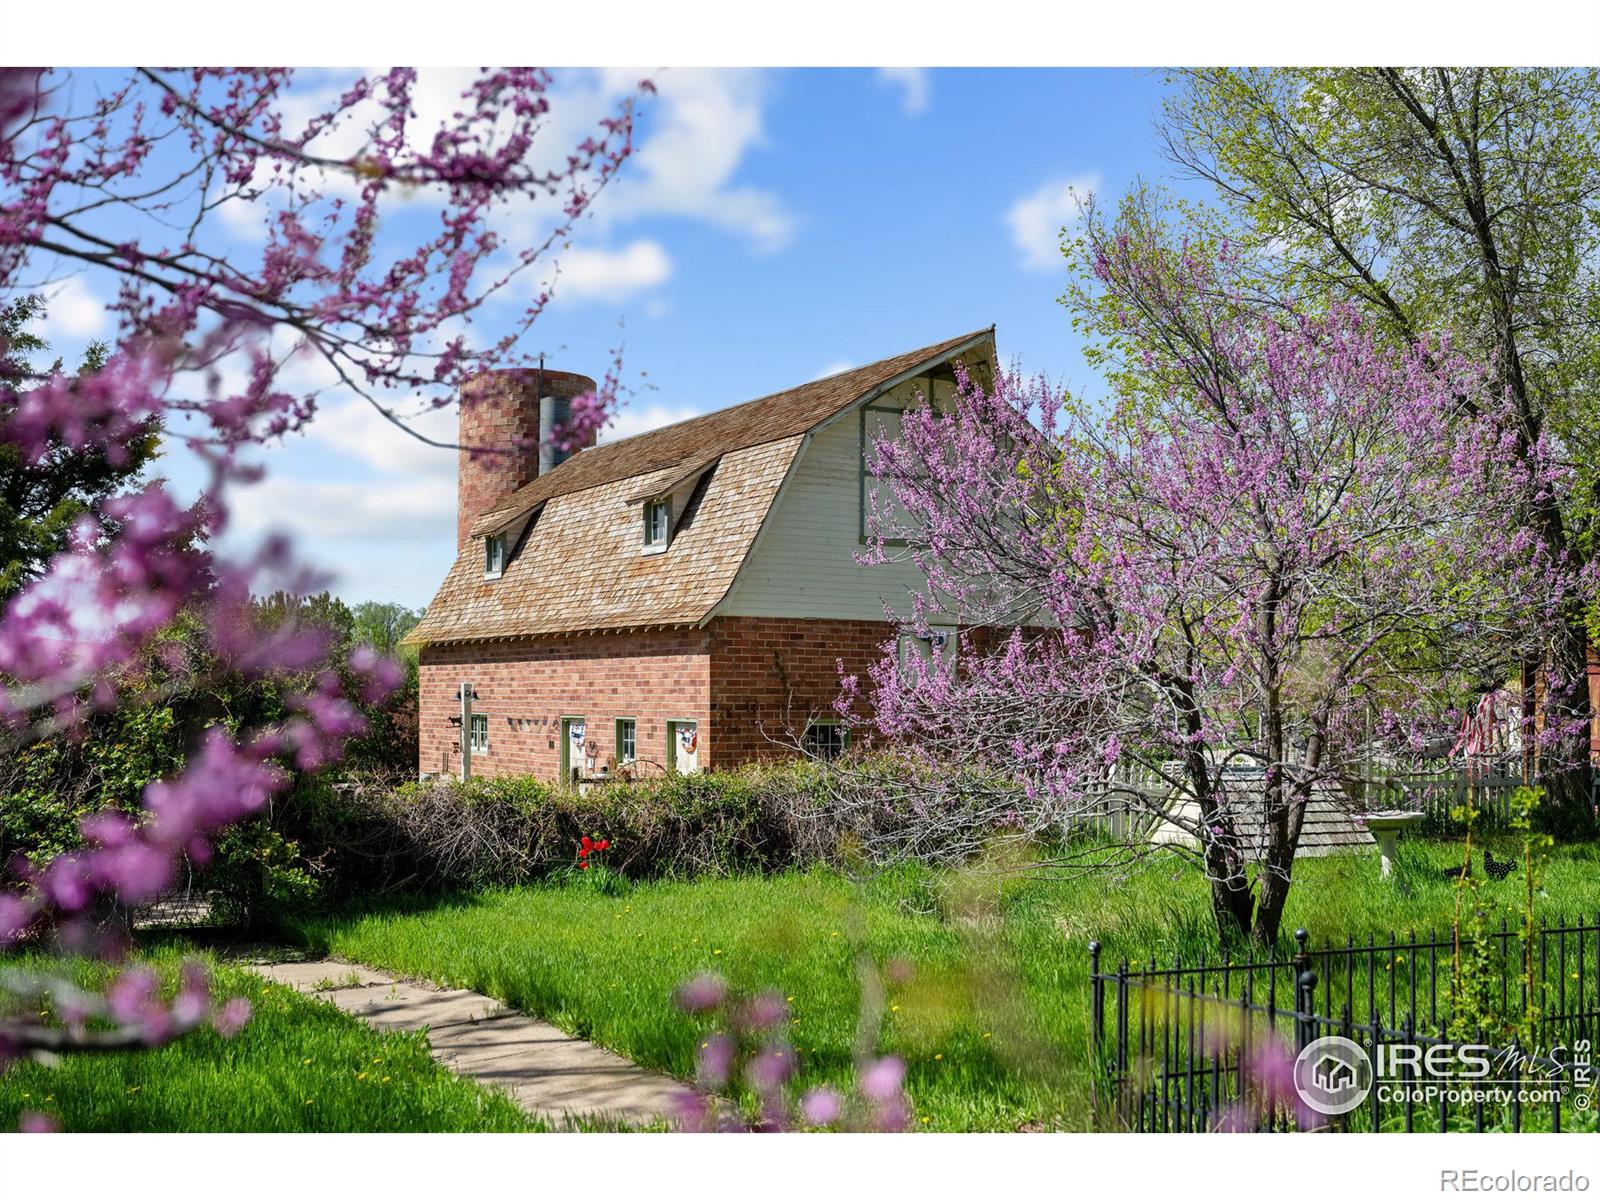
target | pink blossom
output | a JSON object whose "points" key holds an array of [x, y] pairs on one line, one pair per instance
{"points": [[702, 993], [821, 1106], [716, 1059], [765, 1011], [232, 1016], [132, 995], [883, 1079]]}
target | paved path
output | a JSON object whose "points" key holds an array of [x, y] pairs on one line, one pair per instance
{"points": [[549, 1073]]}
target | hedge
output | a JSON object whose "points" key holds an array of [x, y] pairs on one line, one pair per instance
{"points": [[446, 835]]}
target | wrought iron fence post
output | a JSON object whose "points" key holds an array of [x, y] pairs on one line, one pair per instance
{"points": [[1097, 1022], [1305, 994], [1097, 995]]}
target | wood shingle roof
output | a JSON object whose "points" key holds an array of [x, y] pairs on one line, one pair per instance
{"points": [[578, 566]]}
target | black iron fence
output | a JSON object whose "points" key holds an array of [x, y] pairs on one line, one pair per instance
{"points": [[1212, 1045]]}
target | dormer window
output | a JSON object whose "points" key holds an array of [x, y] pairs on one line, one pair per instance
{"points": [[494, 555], [657, 523]]}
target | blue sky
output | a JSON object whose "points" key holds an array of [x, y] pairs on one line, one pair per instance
{"points": [[772, 227]]}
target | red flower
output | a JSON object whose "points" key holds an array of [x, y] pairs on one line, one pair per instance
{"points": [[603, 844], [583, 866], [586, 844]]}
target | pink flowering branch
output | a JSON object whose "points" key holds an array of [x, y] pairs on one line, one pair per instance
{"points": [[381, 243], [748, 1045]]}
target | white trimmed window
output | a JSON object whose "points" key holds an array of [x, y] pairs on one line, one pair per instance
{"points": [[825, 740], [480, 733], [657, 522], [494, 555]]}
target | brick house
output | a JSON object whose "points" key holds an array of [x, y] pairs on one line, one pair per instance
{"points": [[676, 601]]}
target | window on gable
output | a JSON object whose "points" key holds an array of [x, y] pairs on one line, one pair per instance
{"points": [[657, 522], [480, 733], [825, 740], [877, 495], [494, 555], [883, 420]]}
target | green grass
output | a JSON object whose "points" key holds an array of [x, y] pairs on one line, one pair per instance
{"points": [[299, 1066], [994, 1023]]}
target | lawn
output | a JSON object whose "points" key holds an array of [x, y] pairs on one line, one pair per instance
{"points": [[299, 1065], [993, 1022]]}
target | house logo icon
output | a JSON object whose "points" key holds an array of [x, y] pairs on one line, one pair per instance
{"points": [[1333, 1075]]}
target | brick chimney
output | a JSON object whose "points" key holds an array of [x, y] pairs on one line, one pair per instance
{"points": [[505, 435]]}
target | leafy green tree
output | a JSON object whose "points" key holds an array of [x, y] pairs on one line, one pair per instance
{"points": [[382, 625], [1463, 200], [40, 501]]}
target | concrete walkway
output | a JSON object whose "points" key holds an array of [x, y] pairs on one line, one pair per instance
{"points": [[549, 1073]]}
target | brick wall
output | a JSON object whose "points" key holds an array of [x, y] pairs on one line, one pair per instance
{"points": [[770, 675], [751, 682], [1594, 702], [526, 687]]}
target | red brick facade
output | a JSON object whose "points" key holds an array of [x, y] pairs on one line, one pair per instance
{"points": [[771, 675], [1594, 702], [750, 683]]}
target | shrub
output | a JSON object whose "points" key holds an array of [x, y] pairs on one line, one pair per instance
{"points": [[48, 787], [442, 834]]}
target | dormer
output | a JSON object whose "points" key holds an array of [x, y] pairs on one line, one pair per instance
{"points": [[657, 524], [502, 541], [669, 505]]}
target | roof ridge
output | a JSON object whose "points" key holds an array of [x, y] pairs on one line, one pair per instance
{"points": [[598, 465], [728, 408]]}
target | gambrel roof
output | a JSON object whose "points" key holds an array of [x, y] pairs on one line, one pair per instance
{"points": [[575, 564]]}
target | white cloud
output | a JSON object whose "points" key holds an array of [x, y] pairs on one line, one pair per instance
{"points": [[246, 220], [354, 427], [697, 132], [73, 310], [356, 478], [402, 510], [912, 83], [611, 276], [1037, 219]]}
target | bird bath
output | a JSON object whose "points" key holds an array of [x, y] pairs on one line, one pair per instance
{"points": [[1386, 827]]}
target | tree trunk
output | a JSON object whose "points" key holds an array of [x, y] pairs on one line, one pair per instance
{"points": [[1564, 764], [1232, 901], [1274, 895]]}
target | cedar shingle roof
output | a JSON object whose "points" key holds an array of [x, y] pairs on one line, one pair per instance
{"points": [[703, 438], [579, 567]]}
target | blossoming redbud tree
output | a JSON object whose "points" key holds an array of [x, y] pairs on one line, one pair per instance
{"points": [[381, 243], [1282, 547]]}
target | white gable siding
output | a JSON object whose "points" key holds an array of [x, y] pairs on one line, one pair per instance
{"points": [[803, 564]]}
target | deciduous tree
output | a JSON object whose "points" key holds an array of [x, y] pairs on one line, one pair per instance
{"points": [[1222, 571], [1464, 200]]}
